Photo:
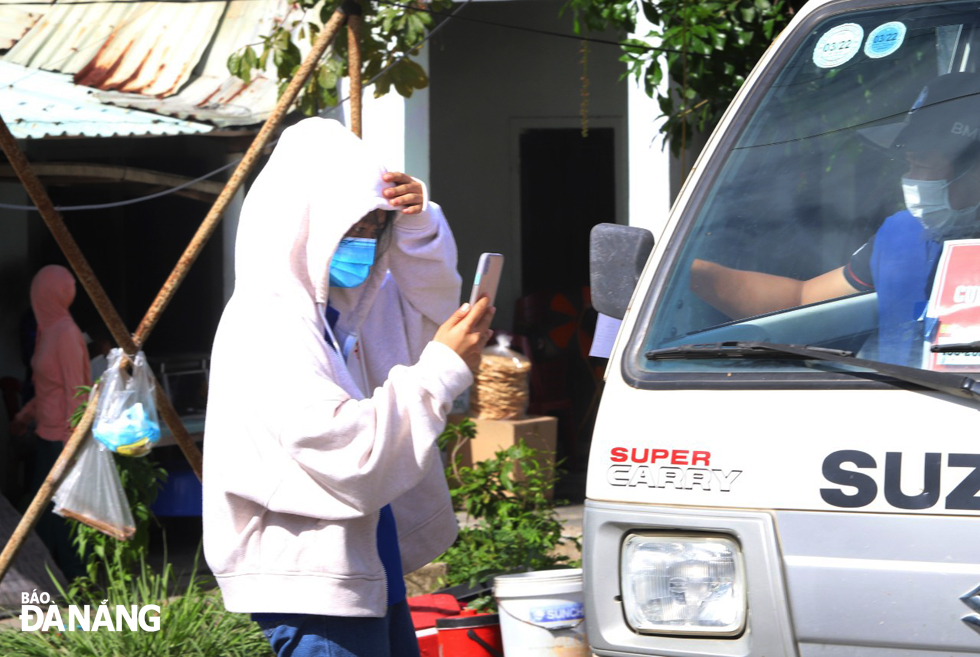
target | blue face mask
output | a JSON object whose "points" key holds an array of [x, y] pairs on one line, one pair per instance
{"points": [[351, 262]]}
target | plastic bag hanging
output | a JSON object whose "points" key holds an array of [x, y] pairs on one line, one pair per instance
{"points": [[92, 493], [126, 420], [500, 390]]}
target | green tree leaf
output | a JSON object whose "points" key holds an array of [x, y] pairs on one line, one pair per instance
{"points": [[390, 36], [708, 47], [234, 64]]}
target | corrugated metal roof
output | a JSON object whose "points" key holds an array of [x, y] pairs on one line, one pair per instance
{"points": [[163, 57], [16, 19], [36, 104], [149, 48], [215, 95], [69, 36]]}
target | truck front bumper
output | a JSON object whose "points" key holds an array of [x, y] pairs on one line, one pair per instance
{"points": [[768, 629]]}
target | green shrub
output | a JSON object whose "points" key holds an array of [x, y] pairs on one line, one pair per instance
{"points": [[513, 525]]}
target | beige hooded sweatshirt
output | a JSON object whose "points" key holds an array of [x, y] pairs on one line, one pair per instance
{"points": [[301, 449]]}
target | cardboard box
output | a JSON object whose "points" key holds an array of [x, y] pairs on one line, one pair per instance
{"points": [[538, 432]]}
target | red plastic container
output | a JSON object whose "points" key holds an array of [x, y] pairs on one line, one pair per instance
{"points": [[428, 642], [470, 635], [426, 609]]}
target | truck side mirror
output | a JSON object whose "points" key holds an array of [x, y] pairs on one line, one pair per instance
{"points": [[617, 255]]}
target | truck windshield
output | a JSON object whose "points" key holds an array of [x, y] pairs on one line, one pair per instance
{"points": [[844, 214]]}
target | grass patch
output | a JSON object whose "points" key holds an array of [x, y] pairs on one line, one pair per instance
{"points": [[194, 623]]}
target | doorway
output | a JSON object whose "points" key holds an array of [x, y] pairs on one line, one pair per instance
{"points": [[567, 185]]}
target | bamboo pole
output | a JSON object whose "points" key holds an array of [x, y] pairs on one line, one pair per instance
{"points": [[237, 178], [48, 488], [354, 67], [78, 262]]}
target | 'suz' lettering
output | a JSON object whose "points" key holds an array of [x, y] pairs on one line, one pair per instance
{"points": [[854, 469]]}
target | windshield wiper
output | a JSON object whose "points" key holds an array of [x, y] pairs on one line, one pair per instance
{"points": [[949, 383], [956, 347], [744, 349]]}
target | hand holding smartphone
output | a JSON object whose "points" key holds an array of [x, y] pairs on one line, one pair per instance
{"points": [[465, 332], [487, 278]]}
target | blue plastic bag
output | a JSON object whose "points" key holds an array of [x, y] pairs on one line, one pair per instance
{"points": [[126, 420]]}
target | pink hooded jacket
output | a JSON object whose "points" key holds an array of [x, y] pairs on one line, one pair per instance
{"points": [[60, 359], [303, 449]]}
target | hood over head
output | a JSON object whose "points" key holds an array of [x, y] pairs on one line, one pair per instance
{"points": [[52, 292], [318, 182]]}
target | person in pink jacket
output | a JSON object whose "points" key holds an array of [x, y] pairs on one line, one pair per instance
{"points": [[60, 360], [60, 365], [323, 482]]}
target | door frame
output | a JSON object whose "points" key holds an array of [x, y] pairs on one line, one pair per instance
{"points": [[517, 125]]}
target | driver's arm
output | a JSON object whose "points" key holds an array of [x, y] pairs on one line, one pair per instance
{"points": [[739, 293]]}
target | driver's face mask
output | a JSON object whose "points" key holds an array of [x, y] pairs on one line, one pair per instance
{"points": [[351, 262], [928, 201]]}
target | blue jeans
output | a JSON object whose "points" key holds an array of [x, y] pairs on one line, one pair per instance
{"points": [[306, 635]]}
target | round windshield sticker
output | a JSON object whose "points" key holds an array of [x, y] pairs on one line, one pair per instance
{"points": [[838, 45], [884, 40]]}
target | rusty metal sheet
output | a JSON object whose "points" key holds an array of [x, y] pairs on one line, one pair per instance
{"points": [[150, 55], [69, 36], [227, 103], [16, 19], [215, 95], [148, 48]]}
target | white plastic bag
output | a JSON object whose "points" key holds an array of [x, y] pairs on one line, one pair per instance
{"points": [[126, 420], [92, 493]]}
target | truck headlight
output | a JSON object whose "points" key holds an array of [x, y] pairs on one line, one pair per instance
{"points": [[683, 584]]}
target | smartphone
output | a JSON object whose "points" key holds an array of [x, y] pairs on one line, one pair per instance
{"points": [[487, 277]]}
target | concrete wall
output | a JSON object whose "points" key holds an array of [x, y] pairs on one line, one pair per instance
{"points": [[650, 166], [489, 83], [397, 128]]}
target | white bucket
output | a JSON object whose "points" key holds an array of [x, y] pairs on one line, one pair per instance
{"points": [[542, 613]]}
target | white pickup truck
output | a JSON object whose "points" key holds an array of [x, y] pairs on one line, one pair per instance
{"points": [[786, 458]]}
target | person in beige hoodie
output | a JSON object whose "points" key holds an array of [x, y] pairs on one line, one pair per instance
{"points": [[322, 479]]}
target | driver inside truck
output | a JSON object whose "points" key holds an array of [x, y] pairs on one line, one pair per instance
{"points": [[940, 141]]}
